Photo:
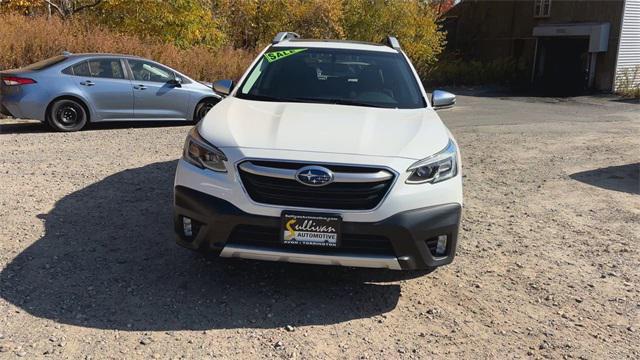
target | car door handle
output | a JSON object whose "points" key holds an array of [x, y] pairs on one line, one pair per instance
{"points": [[87, 83], [140, 87]]}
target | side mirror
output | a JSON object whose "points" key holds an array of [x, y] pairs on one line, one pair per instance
{"points": [[223, 87], [177, 82], [442, 99]]}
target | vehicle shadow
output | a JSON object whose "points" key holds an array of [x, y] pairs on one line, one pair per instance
{"points": [[624, 178], [108, 260], [29, 127]]}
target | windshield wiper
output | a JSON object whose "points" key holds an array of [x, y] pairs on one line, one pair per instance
{"points": [[312, 100], [262, 98], [335, 101]]}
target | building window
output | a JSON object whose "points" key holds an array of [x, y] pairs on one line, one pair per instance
{"points": [[541, 8]]}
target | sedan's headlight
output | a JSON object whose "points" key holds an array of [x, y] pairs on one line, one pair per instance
{"points": [[435, 168], [200, 153]]}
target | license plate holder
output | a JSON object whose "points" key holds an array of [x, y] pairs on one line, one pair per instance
{"points": [[310, 229]]}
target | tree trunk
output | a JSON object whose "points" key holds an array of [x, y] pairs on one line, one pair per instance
{"points": [[67, 7]]}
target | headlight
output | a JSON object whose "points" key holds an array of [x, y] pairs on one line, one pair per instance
{"points": [[200, 153], [435, 168]]}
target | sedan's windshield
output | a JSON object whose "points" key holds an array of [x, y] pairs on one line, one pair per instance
{"points": [[333, 76]]}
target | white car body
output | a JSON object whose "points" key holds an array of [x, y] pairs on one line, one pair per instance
{"points": [[365, 137], [319, 134]]}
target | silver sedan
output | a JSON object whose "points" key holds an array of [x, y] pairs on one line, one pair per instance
{"points": [[70, 90]]}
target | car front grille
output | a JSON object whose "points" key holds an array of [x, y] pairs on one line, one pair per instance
{"points": [[353, 195], [265, 236]]}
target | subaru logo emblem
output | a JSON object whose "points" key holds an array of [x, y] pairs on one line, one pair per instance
{"points": [[314, 176]]}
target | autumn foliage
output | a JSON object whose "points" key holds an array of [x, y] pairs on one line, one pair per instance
{"points": [[27, 40], [209, 39]]}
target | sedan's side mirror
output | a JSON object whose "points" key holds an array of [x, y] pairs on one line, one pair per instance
{"points": [[223, 87], [442, 99], [177, 82]]}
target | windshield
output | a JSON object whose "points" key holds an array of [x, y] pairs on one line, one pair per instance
{"points": [[333, 76], [45, 63]]}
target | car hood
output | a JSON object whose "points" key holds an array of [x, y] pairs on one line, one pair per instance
{"points": [[311, 127]]}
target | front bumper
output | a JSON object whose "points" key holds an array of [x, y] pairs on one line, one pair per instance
{"points": [[404, 241]]}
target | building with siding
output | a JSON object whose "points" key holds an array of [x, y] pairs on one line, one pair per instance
{"points": [[560, 46], [628, 64]]}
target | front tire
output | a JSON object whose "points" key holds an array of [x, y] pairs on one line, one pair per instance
{"points": [[202, 109], [67, 115]]}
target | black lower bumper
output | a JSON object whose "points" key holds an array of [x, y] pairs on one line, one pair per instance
{"points": [[410, 236]]}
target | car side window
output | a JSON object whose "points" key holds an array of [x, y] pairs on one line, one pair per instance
{"points": [[148, 71], [103, 68], [79, 69], [106, 68]]}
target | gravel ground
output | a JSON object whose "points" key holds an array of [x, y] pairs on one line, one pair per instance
{"points": [[547, 266]]}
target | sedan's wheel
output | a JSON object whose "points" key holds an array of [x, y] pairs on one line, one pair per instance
{"points": [[202, 109], [67, 115]]}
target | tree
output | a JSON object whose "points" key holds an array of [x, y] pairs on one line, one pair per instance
{"points": [[26, 7], [66, 8], [442, 6], [251, 23], [247, 24], [412, 22], [182, 22]]}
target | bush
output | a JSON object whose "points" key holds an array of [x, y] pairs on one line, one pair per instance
{"points": [[26, 40], [629, 83], [453, 70]]}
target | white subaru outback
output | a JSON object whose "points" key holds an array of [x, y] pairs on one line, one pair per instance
{"points": [[326, 152]]}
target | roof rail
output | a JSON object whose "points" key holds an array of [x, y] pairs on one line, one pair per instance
{"points": [[67, 53], [284, 35], [392, 42]]}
